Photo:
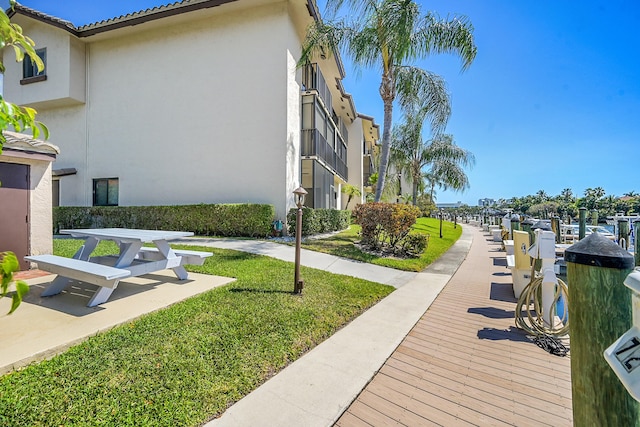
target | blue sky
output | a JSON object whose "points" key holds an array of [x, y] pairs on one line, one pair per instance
{"points": [[552, 100]]}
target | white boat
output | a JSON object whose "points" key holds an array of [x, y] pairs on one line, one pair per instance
{"points": [[569, 232], [631, 218]]}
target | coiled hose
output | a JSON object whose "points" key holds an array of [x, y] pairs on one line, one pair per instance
{"points": [[531, 319]]}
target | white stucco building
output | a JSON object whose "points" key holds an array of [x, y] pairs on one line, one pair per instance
{"points": [[197, 101]]}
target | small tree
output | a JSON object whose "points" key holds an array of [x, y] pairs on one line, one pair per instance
{"points": [[18, 118], [351, 191]]}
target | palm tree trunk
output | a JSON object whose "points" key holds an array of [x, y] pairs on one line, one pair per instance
{"points": [[386, 147]]}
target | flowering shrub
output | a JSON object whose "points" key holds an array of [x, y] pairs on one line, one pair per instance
{"points": [[387, 226]]}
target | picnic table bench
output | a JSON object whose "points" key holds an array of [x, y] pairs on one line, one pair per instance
{"points": [[106, 271], [83, 271], [190, 257]]}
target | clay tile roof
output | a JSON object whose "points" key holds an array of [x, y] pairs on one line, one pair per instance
{"points": [[129, 19], [23, 142], [140, 13], [43, 16]]}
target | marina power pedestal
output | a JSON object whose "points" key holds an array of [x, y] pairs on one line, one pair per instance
{"points": [[521, 272], [624, 355], [544, 249], [506, 223]]}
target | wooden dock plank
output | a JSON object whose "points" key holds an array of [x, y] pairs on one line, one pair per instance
{"points": [[465, 363]]}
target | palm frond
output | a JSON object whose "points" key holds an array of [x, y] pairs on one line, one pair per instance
{"points": [[425, 91], [324, 39], [435, 35]]}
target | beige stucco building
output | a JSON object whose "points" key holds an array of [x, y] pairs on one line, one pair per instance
{"points": [[196, 101]]}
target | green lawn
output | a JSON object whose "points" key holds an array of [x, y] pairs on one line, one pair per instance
{"points": [[342, 244], [187, 363]]}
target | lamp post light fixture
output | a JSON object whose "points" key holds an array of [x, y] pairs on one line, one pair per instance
{"points": [[299, 194]]}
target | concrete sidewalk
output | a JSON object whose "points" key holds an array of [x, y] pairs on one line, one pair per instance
{"points": [[317, 388], [326, 262]]}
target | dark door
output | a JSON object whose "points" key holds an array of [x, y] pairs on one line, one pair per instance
{"points": [[14, 210]]}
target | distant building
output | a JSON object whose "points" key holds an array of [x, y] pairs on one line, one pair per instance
{"points": [[448, 205], [486, 202]]}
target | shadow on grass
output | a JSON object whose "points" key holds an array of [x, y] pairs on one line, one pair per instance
{"points": [[261, 291]]}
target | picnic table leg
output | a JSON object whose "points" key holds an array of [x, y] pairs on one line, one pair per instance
{"points": [[167, 252], [102, 295], [56, 286], [61, 282], [128, 252], [85, 250]]}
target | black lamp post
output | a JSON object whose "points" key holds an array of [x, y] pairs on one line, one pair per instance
{"points": [[441, 215], [299, 194]]}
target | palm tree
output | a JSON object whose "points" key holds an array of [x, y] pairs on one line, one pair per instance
{"points": [[432, 182], [388, 35], [542, 196], [567, 195], [439, 159], [351, 191], [592, 196]]}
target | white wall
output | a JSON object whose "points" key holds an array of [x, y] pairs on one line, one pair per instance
{"points": [[202, 107], [207, 112], [354, 162], [64, 68], [41, 221]]}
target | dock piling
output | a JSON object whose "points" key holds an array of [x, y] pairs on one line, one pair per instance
{"points": [[600, 312], [623, 233], [582, 222]]}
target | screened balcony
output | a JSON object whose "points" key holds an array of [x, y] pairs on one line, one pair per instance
{"points": [[313, 80], [314, 144]]}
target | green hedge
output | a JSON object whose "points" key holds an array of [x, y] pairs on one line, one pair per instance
{"points": [[316, 221], [237, 220]]}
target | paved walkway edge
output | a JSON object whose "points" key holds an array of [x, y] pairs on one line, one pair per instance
{"points": [[317, 388]]}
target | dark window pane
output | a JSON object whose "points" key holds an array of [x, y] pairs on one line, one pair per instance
{"points": [[29, 68], [112, 192], [105, 192]]}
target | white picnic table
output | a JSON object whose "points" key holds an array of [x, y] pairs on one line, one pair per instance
{"points": [[132, 260]]}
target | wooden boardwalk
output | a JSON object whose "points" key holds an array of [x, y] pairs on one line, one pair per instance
{"points": [[465, 363]]}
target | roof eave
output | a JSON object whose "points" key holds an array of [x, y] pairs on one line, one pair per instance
{"points": [[42, 17], [148, 15]]}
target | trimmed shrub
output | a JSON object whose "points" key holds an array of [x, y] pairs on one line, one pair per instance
{"points": [[236, 220], [385, 224], [415, 243], [317, 221]]}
